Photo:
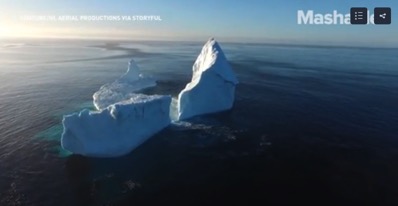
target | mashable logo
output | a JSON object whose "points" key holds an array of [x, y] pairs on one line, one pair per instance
{"points": [[310, 17]]}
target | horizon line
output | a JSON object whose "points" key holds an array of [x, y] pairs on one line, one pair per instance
{"points": [[281, 43]]}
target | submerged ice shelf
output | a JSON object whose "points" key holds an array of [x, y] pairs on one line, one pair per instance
{"points": [[125, 119]]}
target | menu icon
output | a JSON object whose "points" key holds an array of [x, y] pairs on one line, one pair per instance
{"points": [[382, 15], [359, 15]]}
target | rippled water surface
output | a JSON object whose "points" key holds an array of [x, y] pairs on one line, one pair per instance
{"points": [[309, 125]]}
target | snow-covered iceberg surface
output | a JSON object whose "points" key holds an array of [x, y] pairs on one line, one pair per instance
{"points": [[212, 88], [123, 88], [118, 129]]}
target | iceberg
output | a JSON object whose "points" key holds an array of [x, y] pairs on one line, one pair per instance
{"points": [[212, 88], [117, 129], [125, 119], [123, 88]]}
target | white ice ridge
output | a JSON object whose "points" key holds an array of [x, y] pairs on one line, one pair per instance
{"points": [[117, 129], [123, 88], [212, 88]]}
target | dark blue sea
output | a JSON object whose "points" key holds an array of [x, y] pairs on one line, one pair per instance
{"points": [[310, 125]]}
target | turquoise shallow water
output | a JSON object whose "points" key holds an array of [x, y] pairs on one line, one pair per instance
{"points": [[309, 124]]}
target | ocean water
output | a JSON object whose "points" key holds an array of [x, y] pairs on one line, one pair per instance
{"points": [[309, 125]]}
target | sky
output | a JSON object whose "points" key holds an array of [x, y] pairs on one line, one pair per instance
{"points": [[196, 20]]}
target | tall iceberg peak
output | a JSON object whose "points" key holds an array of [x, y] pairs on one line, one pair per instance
{"points": [[213, 58], [212, 87]]}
